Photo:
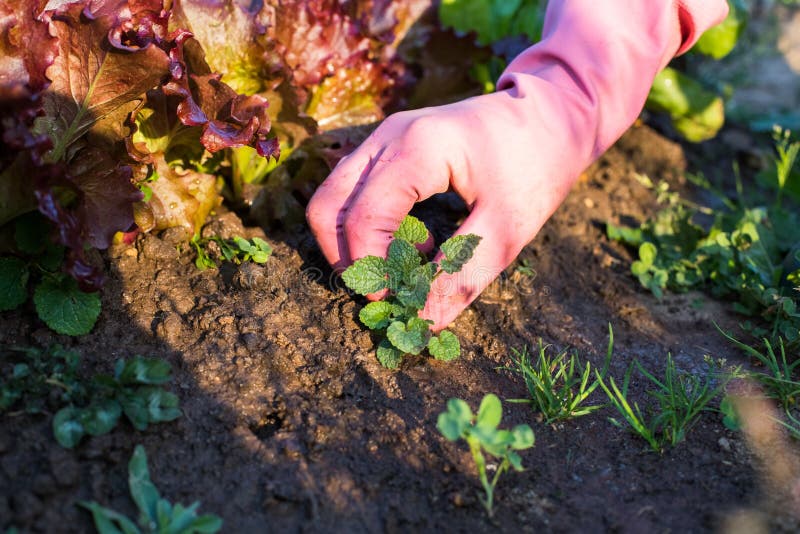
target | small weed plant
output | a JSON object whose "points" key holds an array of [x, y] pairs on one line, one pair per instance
{"points": [[156, 514], [42, 380], [679, 400], [37, 266], [558, 386], [484, 438], [750, 252], [407, 276], [236, 250]]}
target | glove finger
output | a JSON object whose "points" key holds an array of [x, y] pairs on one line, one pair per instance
{"points": [[327, 209], [452, 293]]}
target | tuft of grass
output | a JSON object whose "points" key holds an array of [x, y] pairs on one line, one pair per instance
{"points": [[559, 385], [679, 398]]}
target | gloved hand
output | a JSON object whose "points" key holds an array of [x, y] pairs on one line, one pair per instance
{"points": [[512, 155]]}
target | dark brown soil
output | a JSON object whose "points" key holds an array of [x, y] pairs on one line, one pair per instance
{"points": [[291, 425]]}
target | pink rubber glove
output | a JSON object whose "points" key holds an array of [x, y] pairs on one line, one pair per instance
{"points": [[512, 155]]}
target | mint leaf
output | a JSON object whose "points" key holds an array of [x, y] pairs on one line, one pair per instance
{"points": [[376, 315], [412, 230], [367, 275], [402, 259], [13, 283], [64, 307], [457, 251], [388, 355], [415, 292], [411, 337], [445, 346]]}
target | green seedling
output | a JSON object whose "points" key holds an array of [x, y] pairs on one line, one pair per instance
{"points": [[782, 379], [526, 268], [156, 514], [484, 438], [237, 250], [39, 381], [407, 276], [749, 255], [58, 300], [134, 390], [557, 385], [679, 400]]}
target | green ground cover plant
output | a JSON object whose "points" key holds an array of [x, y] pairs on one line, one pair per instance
{"points": [[156, 514], [237, 250], [679, 398], [407, 276], [40, 381], [484, 438], [749, 253], [36, 267], [559, 385]]}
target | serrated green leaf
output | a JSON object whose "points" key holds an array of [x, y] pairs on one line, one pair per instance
{"points": [[457, 251], [67, 427], [402, 259], [64, 307], [100, 418], [376, 315], [367, 275], [411, 337], [412, 230], [445, 346], [13, 283], [388, 355], [414, 291]]}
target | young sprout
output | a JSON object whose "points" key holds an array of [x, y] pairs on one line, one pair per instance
{"points": [[484, 438], [557, 385], [407, 275]]}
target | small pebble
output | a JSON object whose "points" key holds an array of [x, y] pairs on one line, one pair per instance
{"points": [[725, 444], [588, 202]]}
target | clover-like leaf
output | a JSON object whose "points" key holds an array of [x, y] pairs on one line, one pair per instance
{"points": [[457, 251], [100, 418], [162, 406], [445, 346], [67, 427], [490, 412], [455, 420], [389, 356], [141, 370], [523, 437], [411, 337], [412, 230], [366, 275], [376, 315]]}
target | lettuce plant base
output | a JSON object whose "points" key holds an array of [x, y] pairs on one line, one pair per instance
{"points": [[290, 424]]}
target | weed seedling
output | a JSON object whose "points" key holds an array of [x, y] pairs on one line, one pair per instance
{"points": [[779, 381], [237, 250], [156, 514], [558, 385], [484, 438], [39, 381], [407, 276], [680, 399], [58, 300]]}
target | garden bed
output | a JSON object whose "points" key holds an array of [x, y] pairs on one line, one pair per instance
{"points": [[290, 423]]}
